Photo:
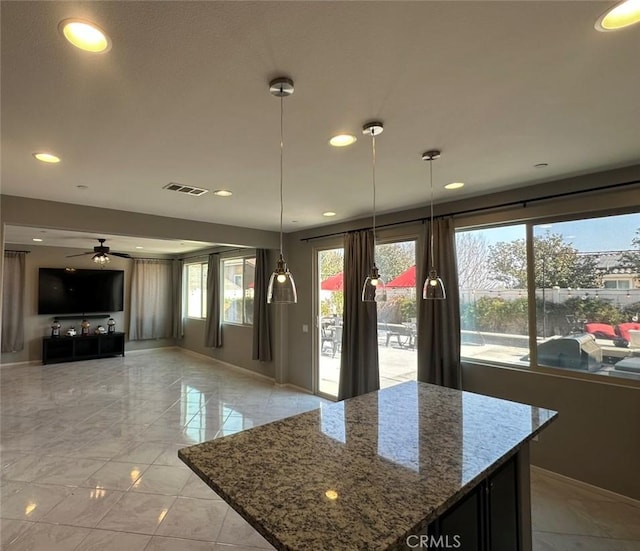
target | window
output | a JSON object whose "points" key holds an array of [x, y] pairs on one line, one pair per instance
{"points": [[588, 294], [196, 289], [492, 274], [586, 283], [239, 279]]}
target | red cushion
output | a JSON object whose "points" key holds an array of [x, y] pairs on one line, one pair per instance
{"points": [[601, 330], [623, 329]]}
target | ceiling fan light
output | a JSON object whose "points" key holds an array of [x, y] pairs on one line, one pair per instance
{"points": [[101, 258]]}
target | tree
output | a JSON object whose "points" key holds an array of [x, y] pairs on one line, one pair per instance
{"points": [[631, 259], [556, 263], [394, 258], [472, 257]]}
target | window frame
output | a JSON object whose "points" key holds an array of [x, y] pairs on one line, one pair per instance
{"points": [[244, 258], [511, 217], [203, 293]]}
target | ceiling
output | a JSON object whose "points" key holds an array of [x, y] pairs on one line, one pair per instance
{"points": [[183, 97]]}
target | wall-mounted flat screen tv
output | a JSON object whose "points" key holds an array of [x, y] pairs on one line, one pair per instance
{"points": [[63, 291]]}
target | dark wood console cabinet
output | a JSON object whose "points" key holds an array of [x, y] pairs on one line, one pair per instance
{"points": [[71, 349]]}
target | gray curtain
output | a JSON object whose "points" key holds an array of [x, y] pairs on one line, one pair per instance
{"points": [[178, 320], [213, 327], [152, 307], [359, 371], [13, 286], [439, 320], [261, 325]]}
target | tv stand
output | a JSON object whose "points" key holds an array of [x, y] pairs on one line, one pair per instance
{"points": [[89, 347]]}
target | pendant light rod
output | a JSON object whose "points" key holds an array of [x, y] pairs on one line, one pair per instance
{"points": [[431, 156], [373, 129], [281, 87]]}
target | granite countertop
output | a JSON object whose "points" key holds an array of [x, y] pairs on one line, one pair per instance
{"points": [[366, 472]]}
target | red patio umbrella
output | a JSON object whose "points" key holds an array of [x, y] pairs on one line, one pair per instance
{"points": [[333, 283], [405, 279]]}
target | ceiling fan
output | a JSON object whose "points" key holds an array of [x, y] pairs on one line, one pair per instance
{"points": [[101, 254]]}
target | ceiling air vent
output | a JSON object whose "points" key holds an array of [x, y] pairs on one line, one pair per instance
{"points": [[189, 190]]}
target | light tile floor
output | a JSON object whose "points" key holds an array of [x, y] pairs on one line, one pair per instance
{"points": [[89, 461]]}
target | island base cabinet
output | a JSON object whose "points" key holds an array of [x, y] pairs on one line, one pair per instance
{"points": [[486, 519]]}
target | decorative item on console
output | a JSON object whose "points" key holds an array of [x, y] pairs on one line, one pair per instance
{"points": [[85, 327], [71, 332], [100, 330], [55, 328], [111, 326]]}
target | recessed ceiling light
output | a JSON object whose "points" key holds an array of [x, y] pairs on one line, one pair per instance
{"points": [[454, 185], [223, 193], [329, 214], [619, 16], [342, 140], [139, 247], [37, 239], [46, 157], [85, 35]]}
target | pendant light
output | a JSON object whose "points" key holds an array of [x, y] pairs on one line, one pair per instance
{"points": [[373, 289], [282, 287], [433, 288]]}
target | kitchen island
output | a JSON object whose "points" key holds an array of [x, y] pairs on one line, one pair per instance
{"points": [[414, 466]]}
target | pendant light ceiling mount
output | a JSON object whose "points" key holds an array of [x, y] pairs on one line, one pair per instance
{"points": [[281, 87], [431, 155], [373, 128]]}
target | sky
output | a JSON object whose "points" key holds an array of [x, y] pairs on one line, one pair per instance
{"points": [[609, 233]]}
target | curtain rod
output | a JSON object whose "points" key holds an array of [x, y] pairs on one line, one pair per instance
{"points": [[524, 203], [12, 251]]}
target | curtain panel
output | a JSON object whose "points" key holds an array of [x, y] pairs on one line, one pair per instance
{"points": [[439, 320], [261, 323], [13, 289], [176, 296], [359, 370], [152, 314], [213, 326]]}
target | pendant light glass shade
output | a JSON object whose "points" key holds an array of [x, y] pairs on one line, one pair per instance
{"points": [[282, 287], [374, 289], [433, 288]]}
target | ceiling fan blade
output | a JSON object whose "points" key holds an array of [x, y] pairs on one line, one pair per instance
{"points": [[121, 255], [81, 254]]}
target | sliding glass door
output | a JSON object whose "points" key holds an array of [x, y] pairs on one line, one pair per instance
{"points": [[397, 316], [329, 310]]}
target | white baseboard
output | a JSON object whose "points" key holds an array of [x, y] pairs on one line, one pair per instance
{"points": [[227, 364], [603, 491], [145, 350], [16, 364], [295, 387]]}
